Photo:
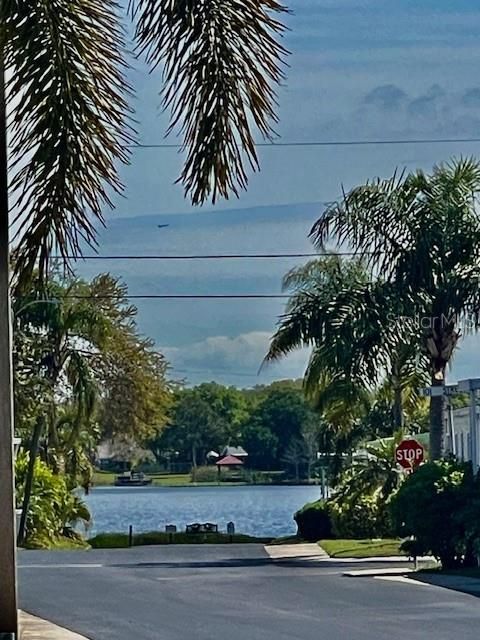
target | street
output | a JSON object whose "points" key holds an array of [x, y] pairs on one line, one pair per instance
{"points": [[234, 591]]}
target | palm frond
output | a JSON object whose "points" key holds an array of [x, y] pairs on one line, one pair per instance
{"points": [[373, 219], [221, 62], [67, 98]]}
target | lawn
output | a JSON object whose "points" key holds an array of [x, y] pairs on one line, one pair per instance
{"points": [[361, 548], [107, 478], [103, 478], [120, 540]]}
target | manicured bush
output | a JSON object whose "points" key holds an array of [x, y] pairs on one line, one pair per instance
{"points": [[314, 521], [439, 505]]}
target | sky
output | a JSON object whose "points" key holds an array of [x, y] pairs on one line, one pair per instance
{"points": [[358, 70]]}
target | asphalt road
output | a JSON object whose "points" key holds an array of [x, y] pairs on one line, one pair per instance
{"points": [[234, 592]]}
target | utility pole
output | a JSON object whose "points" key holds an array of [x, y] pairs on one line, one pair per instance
{"points": [[8, 571]]}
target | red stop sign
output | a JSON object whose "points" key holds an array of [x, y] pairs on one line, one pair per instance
{"points": [[409, 454]]}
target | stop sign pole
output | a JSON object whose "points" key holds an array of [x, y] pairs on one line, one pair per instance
{"points": [[409, 453]]}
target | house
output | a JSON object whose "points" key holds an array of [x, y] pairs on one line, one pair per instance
{"points": [[236, 452], [458, 426]]}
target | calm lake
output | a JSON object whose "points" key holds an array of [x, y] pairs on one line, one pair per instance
{"points": [[256, 510]]}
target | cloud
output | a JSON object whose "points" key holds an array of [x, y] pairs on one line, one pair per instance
{"points": [[471, 98], [233, 360], [387, 97], [391, 111]]}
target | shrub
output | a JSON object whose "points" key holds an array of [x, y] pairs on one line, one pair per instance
{"points": [[359, 518], [439, 505], [120, 540], [54, 510], [313, 521], [206, 474]]}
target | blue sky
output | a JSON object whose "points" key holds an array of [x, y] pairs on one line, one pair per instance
{"points": [[371, 69]]}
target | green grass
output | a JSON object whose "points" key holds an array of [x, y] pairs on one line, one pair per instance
{"points": [[103, 478], [361, 548], [172, 480], [107, 478], [120, 540]]}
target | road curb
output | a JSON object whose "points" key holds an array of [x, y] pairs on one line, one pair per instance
{"points": [[33, 628], [378, 573], [301, 551]]}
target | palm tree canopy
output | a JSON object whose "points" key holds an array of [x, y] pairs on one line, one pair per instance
{"points": [[70, 121], [338, 310], [420, 232]]}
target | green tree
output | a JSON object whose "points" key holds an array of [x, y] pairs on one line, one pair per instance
{"points": [[283, 412], [421, 232], [333, 310], [295, 456], [261, 445], [193, 429], [72, 350]]}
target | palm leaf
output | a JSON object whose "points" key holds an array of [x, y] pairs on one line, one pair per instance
{"points": [[221, 60], [69, 115]]}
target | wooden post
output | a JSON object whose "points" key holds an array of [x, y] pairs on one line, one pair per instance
{"points": [[8, 571]]}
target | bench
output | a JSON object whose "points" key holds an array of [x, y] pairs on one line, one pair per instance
{"points": [[206, 527]]}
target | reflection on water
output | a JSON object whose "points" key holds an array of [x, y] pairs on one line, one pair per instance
{"points": [[256, 510]]}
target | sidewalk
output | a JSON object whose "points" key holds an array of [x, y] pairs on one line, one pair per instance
{"points": [[312, 551], [33, 628], [303, 551]]}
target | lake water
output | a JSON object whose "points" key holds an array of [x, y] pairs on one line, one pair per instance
{"points": [[255, 510]]}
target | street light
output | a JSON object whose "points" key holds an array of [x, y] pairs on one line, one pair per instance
{"points": [[8, 547]]}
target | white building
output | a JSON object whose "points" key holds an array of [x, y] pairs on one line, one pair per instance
{"points": [[461, 444]]}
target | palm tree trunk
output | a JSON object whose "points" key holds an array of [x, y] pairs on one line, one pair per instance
{"points": [[194, 463], [37, 433], [437, 422], [397, 399]]}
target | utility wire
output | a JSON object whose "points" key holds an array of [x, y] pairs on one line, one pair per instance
{"points": [[168, 296], [234, 256], [326, 143]]}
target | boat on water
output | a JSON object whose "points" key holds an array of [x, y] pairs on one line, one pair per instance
{"points": [[132, 479]]}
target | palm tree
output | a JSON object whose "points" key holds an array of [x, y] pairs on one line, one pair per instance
{"points": [[374, 470], [338, 310], [422, 234], [70, 126]]}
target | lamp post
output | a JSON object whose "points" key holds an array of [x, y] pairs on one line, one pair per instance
{"points": [[8, 547]]}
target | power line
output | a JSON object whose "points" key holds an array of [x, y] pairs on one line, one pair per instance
{"points": [[327, 143], [231, 256], [175, 296]]}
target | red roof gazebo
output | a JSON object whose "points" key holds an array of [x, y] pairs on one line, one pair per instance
{"points": [[229, 462]]}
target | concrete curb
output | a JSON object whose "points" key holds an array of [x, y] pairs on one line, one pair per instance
{"points": [[378, 573], [303, 551], [33, 628]]}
